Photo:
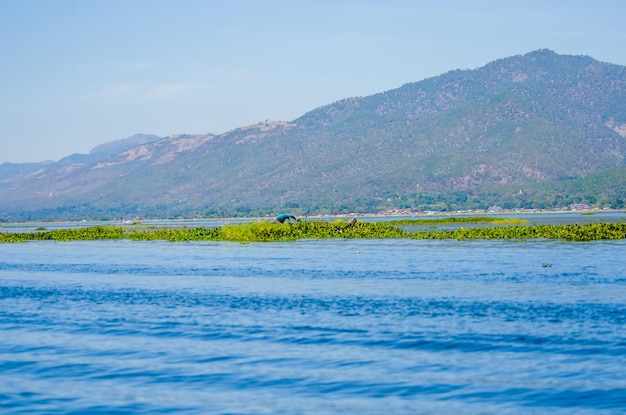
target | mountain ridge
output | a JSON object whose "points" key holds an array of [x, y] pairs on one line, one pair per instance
{"points": [[102, 151], [518, 121]]}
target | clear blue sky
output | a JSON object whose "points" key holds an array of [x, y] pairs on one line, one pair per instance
{"points": [[78, 73]]}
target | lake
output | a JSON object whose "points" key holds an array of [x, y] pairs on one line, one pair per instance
{"points": [[313, 327]]}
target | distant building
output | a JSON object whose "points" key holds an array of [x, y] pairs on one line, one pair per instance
{"points": [[579, 207]]}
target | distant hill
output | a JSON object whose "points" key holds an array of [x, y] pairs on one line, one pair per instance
{"points": [[8, 170], [494, 134], [115, 147]]}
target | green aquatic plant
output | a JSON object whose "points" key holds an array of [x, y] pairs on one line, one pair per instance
{"points": [[262, 232], [459, 219], [270, 232], [72, 234], [589, 232]]}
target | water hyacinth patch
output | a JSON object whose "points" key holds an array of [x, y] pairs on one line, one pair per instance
{"points": [[270, 232]]}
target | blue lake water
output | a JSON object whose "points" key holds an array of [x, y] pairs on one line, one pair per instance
{"points": [[313, 327]]}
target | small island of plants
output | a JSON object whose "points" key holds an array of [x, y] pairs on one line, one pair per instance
{"points": [[270, 232]]}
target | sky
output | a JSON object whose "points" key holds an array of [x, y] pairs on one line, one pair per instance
{"points": [[78, 73]]}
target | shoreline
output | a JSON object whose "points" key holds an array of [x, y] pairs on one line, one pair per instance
{"points": [[400, 213]]}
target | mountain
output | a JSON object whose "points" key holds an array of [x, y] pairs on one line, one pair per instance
{"points": [[8, 170], [115, 147], [509, 127]]}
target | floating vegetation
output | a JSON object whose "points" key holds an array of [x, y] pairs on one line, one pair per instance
{"points": [[578, 233], [270, 232], [461, 219]]}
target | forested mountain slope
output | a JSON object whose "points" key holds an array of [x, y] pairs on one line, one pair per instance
{"points": [[518, 122]]}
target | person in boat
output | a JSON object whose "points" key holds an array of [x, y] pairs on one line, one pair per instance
{"points": [[285, 218]]}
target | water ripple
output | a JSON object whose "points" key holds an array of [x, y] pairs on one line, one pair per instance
{"points": [[403, 327]]}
